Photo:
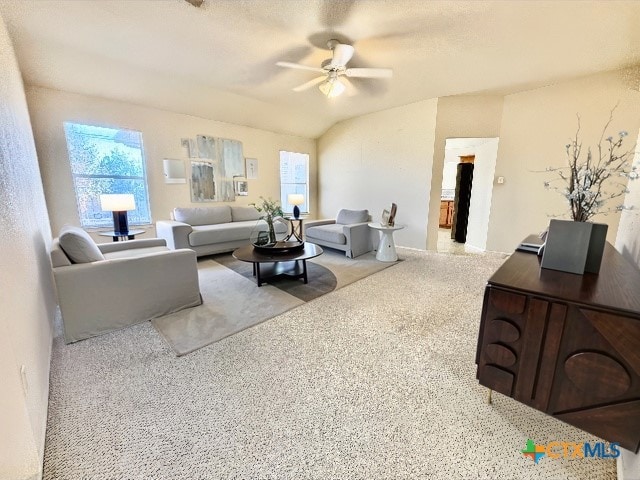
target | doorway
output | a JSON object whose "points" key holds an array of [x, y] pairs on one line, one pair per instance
{"points": [[484, 152]]}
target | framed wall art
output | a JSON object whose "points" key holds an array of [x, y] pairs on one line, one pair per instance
{"points": [[203, 187], [252, 168], [241, 187], [206, 146]]}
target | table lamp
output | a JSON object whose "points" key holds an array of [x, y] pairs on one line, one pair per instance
{"points": [[295, 199], [119, 204]]}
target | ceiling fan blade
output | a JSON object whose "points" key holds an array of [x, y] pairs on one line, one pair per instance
{"points": [[299, 66], [341, 55], [369, 72], [310, 83]]}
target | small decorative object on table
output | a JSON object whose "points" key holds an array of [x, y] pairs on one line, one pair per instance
{"points": [[271, 209], [588, 184], [263, 239], [385, 218], [392, 214], [389, 216], [279, 247]]}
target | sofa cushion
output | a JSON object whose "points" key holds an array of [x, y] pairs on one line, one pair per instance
{"points": [[347, 217], [328, 233], [203, 215], [226, 232], [78, 245], [242, 214], [229, 232]]}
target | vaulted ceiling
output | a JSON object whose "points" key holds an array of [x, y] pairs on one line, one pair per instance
{"points": [[218, 61]]}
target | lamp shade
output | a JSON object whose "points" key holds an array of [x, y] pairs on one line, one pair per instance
{"points": [[295, 199], [332, 87], [117, 202]]}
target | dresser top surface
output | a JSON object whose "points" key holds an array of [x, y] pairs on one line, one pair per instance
{"points": [[617, 286]]}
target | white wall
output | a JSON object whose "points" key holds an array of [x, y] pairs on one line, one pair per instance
{"points": [[458, 117], [628, 243], [628, 239], [161, 133], [374, 160], [536, 126], [26, 288], [481, 194]]}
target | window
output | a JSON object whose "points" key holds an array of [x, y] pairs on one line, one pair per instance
{"points": [[106, 160], [294, 178]]}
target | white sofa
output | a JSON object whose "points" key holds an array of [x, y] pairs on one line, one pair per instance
{"points": [[349, 232], [209, 230], [108, 286]]}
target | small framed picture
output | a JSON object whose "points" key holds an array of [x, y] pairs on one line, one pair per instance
{"points": [[392, 215], [385, 218], [251, 168], [241, 187]]}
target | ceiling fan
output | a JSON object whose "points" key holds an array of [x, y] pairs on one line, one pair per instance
{"points": [[332, 69]]}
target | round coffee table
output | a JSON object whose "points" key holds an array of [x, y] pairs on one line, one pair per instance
{"points": [[290, 264]]}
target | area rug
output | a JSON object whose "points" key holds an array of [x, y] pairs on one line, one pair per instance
{"points": [[233, 302]]}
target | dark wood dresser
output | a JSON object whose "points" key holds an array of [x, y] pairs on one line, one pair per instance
{"points": [[565, 344]]}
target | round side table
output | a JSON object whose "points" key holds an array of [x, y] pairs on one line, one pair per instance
{"points": [[296, 229], [386, 247], [119, 236]]}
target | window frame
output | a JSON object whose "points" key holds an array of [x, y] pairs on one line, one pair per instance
{"points": [[106, 220], [304, 208]]}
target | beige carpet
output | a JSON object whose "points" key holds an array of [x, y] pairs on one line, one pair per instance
{"points": [[373, 381], [233, 302]]}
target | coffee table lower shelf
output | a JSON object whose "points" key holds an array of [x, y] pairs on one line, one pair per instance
{"points": [[295, 269], [290, 264]]}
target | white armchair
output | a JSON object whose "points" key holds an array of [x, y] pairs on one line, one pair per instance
{"points": [[105, 287], [349, 232]]}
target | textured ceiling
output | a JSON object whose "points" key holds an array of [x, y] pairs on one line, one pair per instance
{"points": [[218, 61]]}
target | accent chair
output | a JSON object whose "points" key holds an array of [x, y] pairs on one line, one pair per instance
{"points": [[108, 286], [349, 232]]}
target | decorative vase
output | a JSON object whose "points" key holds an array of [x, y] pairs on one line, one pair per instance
{"points": [[272, 231], [574, 247]]}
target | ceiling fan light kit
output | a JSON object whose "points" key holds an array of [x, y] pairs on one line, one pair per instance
{"points": [[332, 69], [332, 87]]}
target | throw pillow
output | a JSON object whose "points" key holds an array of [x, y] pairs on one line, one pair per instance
{"points": [[203, 215], [243, 214], [78, 245], [347, 217]]}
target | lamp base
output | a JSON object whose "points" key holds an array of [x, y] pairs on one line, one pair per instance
{"points": [[296, 212], [120, 223]]}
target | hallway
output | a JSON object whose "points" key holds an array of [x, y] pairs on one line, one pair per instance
{"points": [[447, 245]]}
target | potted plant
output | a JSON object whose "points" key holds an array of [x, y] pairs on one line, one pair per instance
{"points": [[591, 182], [271, 209]]}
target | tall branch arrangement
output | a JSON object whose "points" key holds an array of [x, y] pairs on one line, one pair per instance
{"points": [[269, 206], [271, 209], [591, 182]]}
